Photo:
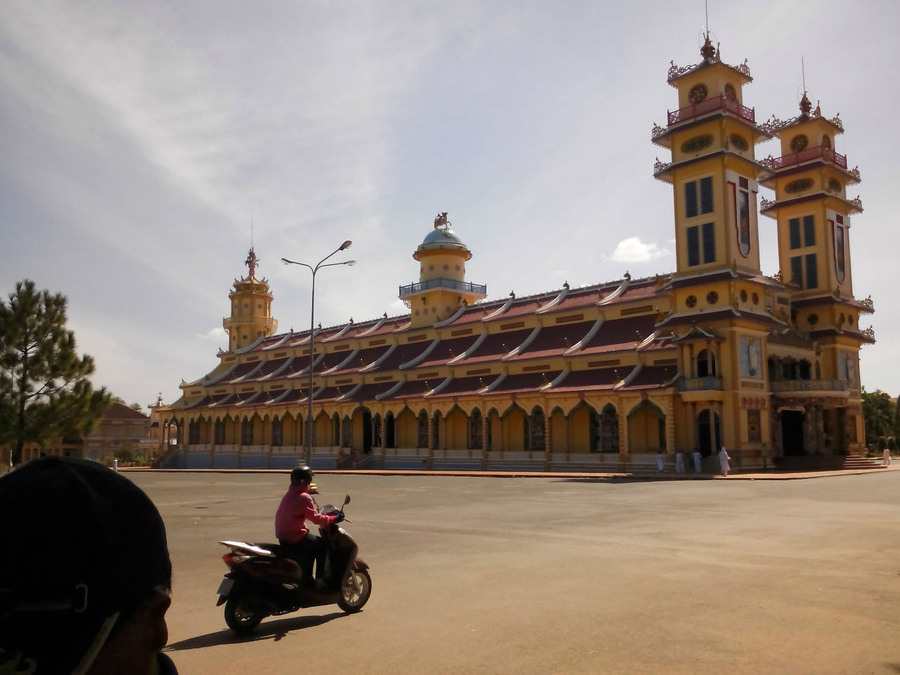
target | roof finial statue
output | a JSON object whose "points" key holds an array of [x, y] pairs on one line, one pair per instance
{"points": [[805, 104], [440, 220], [252, 261]]}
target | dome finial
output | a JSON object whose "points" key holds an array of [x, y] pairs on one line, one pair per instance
{"points": [[440, 220], [805, 104]]}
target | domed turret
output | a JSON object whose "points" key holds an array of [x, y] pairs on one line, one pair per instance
{"points": [[251, 309], [442, 288]]}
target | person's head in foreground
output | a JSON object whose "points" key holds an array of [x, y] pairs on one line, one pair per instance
{"points": [[84, 575]]}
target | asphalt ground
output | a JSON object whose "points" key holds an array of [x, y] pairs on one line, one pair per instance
{"points": [[560, 574]]}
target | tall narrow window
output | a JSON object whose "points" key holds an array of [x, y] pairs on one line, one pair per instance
{"points": [[690, 199], [809, 231], [812, 271], [706, 195], [709, 242], [797, 271], [693, 246], [794, 228], [840, 260], [219, 432], [742, 214]]}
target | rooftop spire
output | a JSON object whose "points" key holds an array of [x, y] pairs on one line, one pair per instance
{"points": [[252, 261]]}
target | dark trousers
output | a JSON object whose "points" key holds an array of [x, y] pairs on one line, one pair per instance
{"points": [[310, 548]]}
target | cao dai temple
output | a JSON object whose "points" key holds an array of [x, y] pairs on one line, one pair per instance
{"points": [[605, 376]]}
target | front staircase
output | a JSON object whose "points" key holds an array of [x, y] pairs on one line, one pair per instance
{"points": [[834, 463]]}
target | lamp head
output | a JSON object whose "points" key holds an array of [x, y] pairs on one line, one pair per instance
{"points": [[345, 245]]}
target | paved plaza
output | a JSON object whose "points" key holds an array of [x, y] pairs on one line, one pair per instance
{"points": [[559, 575]]}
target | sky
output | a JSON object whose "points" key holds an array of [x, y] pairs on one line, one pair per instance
{"points": [[144, 146]]}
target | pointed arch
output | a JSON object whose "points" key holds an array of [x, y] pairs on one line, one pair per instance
{"points": [[476, 430], [646, 428]]}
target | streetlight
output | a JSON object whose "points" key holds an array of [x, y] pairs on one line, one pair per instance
{"points": [[312, 334]]}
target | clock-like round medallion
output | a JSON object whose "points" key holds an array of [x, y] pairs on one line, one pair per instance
{"points": [[799, 142], [698, 93], [691, 301], [730, 92], [712, 297], [826, 142]]}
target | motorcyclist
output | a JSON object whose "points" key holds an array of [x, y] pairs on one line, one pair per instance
{"points": [[297, 506]]}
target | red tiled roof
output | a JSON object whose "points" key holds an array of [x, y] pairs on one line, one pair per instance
{"points": [[498, 344]]}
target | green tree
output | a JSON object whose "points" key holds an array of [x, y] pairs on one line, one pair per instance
{"points": [[879, 413], [44, 387]]}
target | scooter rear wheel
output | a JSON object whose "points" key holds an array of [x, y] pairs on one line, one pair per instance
{"points": [[356, 591], [243, 614]]}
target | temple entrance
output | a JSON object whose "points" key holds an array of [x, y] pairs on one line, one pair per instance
{"points": [[367, 432], [704, 438], [792, 433]]}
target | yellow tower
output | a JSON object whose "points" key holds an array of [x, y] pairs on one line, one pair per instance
{"points": [[251, 309], [713, 169], [442, 289], [720, 297], [813, 213]]}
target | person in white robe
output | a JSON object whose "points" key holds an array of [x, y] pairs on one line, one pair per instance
{"points": [[723, 460]]}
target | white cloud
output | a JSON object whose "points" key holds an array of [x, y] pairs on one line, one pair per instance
{"points": [[633, 250], [214, 335]]}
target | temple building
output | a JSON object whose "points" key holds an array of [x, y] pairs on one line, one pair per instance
{"points": [[614, 375]]}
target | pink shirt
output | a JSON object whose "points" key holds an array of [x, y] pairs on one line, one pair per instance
{"points": [[296, 507]]}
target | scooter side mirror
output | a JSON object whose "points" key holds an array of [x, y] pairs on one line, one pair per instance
{"points": [[346, 500]]}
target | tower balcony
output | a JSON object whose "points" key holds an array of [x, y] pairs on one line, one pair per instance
{"points": [[442, 283], [807, 155], [720, 102]]}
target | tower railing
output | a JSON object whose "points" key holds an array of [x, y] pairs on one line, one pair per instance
{"points": [[820, 152], [442, 282], [720, 102]]}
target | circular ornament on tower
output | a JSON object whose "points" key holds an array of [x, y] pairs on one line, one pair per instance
{"points": [[799, 142], [738, 142], [690, 301], [712, 297], [697, 143], [799, 185], [730, 92], [698, 93]]}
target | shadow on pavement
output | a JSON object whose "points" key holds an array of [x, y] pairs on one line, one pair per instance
{"points": [[649, 478], [271, 630]]}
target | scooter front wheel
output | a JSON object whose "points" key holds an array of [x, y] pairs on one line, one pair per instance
{"points": [[355, 591], [243, 614]]}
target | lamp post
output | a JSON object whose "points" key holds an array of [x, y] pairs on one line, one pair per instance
{"points": [[312, 334]]}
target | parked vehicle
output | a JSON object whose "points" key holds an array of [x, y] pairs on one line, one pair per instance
{"points": [[266, 580]]}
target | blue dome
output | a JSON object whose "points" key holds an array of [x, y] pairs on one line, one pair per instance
{"points": [[442, 238]]}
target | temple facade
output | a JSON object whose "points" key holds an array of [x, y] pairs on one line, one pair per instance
{"points": [[617, 375]]}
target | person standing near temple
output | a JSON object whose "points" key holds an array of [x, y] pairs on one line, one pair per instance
{"points": [[723, 460]]}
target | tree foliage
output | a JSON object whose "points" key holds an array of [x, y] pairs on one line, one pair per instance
{"points": [[44, 387], [880, 415]]}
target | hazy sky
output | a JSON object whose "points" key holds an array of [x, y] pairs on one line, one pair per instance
{"points": [[140, 140]]}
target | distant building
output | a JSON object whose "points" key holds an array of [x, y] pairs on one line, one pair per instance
{"points": [[609, 375], [119, 429]]}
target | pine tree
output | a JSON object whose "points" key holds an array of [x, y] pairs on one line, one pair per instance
{"points": [[44, 387]]}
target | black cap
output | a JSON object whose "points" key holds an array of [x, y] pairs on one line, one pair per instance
{"points": [[82, 543]]}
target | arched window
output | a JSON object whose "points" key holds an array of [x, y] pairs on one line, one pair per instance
{"points": [[609, 429], [706, 364], [193, 432], [219, 432], [422, 441], [277, 432], [535, 435], [476, 430], [246, 432]]}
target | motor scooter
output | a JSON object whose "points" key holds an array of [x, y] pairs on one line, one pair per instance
{"points": [[266, 580]]}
